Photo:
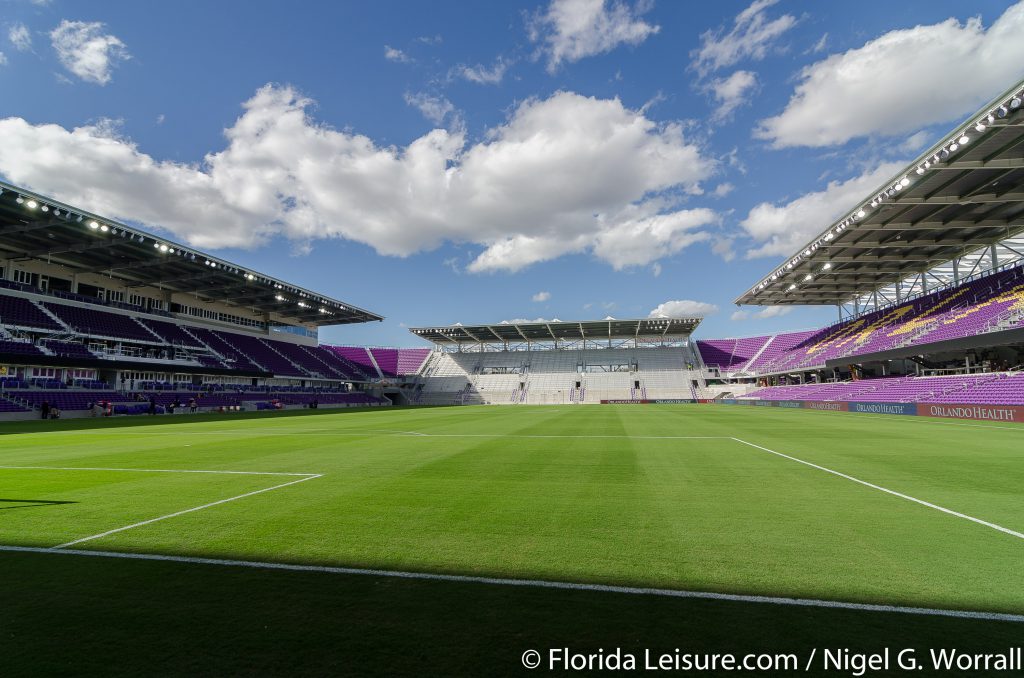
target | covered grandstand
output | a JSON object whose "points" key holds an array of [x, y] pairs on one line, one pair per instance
{"points": [[927, 273], [93, 310], [554, 362]]}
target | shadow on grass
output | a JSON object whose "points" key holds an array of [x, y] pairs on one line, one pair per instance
{"points": [[94, 616], [41, 426], [31, 503]]}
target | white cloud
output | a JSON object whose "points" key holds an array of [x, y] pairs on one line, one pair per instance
{"points": [[3, 59], [900, 82], [20, 37], [724, 247], [731, 92], [915, 142], [396, 55], [682, 307], [821, 45], [751, 37], [781, 229], [86, 51], [517, 321], [482, 75], [517, 193], [570, 30], [656, 269], [541, 296], [767, 312], [160, 119], [723, 189], [641, 240], [434, 108]]}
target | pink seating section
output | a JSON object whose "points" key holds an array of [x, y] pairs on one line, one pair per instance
{"points": [[990, 303], [986, 389], [730, 354]]}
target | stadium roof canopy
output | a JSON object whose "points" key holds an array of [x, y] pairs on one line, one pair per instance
{"points": [[36, 227], [559, 330], [964, 194]]}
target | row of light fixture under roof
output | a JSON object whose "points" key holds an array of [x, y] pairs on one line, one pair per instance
{"points": [[959, 141], [94, 225]]}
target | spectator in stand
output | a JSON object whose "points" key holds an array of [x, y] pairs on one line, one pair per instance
{"points": [[192, 405], [45, 409], [152, 405], [54, 413]]}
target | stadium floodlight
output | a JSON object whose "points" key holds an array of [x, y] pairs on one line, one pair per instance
{"points": [[964, 139], [104, 228], [792, 287], [169, 251], [827, 265], [20, 200], [93, 225], [904, 182], [156, 245], [943, 154], [1015, 102], [808, 277], [46, 208], [953, 147], [1002, 112], [861, 213], [31, 204], [980, 127]]}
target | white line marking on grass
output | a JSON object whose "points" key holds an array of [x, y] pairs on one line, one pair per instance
{"points": [[181, 513], [922, 502], [156, 470], [535, 583]]}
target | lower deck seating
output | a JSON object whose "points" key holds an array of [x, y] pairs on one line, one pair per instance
{"points": [[990, 389]]}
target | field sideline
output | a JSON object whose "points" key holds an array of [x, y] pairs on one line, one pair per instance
{"points": [[740, 501]]}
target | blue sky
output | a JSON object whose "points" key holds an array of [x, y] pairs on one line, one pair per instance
{"points": [[474, 162]]}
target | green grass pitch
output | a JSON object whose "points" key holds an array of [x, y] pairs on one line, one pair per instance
{"points": [[694, 498]]}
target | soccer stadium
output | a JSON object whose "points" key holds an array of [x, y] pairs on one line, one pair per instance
{"points": [[195, 481]]}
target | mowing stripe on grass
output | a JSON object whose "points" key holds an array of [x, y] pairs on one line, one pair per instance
{"points": [[922, 502], [181, 513], [535, 583], [397, 434], [156, 470]]}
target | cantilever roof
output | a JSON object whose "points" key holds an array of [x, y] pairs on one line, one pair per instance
{"points": [[559, 330], [964, 193], [33, 226]]}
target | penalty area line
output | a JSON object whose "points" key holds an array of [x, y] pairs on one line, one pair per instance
{"points": [[922, 502], [535, 583], [181, 513]]}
